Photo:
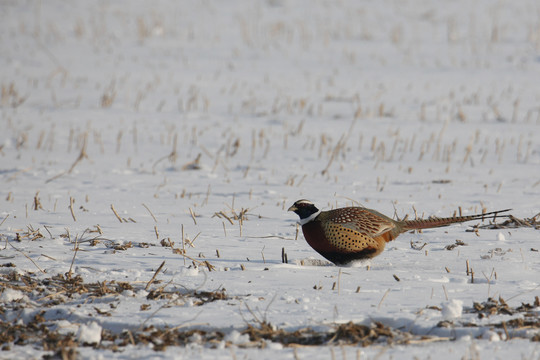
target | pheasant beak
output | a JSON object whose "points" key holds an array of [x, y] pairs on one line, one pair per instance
{"points": [[292, 208]]}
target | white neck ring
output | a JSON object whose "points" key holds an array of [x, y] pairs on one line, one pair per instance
{"points": [[309, 218]]}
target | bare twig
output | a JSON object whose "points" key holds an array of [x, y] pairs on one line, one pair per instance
{"points": [[49, 257], [116, 214], [1, 223], [172, 156], [26, 256], [382, 299], [445, 293], [83, 155], [190, 242], [73, 260], [339, 282], [46, 228], [153, 217], [193, 216], [71, 202], [155, 274], [183, 245]]}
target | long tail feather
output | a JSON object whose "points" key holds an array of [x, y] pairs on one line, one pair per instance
{"points": [[438, 222]]}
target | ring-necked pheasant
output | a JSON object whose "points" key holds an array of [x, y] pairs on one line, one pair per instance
{"points": [[355, 233]]}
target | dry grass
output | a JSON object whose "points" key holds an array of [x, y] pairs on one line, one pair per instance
{"points": [[334, 153], [10, 96], [514, 222], [57, 289]]}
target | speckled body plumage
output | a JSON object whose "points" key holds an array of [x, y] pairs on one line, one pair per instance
{"points": [[355, 233]]}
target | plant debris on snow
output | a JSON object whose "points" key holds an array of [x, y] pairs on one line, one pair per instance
{"points": [[514, 222], [49, 292]]}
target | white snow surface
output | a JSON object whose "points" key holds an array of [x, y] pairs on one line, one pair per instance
{"points": [[452, 309], [422, 106], [89, 334], [9, 295]]}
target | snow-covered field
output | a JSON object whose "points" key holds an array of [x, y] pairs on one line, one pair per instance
{"points": [[135, 134]]}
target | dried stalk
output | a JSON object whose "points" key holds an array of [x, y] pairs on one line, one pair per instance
{"points": [[155, 274], [153, 217]]}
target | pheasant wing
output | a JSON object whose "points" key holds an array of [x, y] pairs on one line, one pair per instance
{"points": [[365, 221]]}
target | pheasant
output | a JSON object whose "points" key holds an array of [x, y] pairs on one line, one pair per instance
{"points": [[355, 233]]}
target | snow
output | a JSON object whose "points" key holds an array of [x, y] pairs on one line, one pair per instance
{"points": [[9, 295], [452, 309], [236, 337], [403, 107], [89, 334]]}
